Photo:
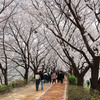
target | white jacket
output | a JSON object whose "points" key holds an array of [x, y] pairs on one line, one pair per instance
{"points": [[37, 76]]}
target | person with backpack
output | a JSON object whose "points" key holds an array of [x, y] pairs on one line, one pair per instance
{"points": [[45, 77]]}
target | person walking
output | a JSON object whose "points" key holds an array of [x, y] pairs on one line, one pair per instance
{"points": [[53, 77], [61, 76], [88, 83], [58, 77], [49, 78], [42, 79], [37, 77], [45, 77]]}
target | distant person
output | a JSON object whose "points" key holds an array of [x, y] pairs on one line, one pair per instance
{"points": [[88, 83], [45, 77], [58, 78], [37, 77], [53, 77], [49, 78], [61, 76], [42, 79]]}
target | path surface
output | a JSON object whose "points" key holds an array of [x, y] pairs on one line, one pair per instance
{"points": [[57, 92], [51, 92], [25, 93]]}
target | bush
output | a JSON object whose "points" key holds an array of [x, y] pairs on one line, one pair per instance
{"points": [[80, 93], [72, 80], [4, 88], [19, 83], [10, 86], [13, 84], [31, 79]]}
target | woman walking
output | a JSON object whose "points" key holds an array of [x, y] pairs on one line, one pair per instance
{"points": [[53, 77]]}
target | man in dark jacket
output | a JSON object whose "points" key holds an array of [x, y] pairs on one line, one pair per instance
{"points": [[61, 76]]}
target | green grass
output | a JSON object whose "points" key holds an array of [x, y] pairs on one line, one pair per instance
{"points": [[80, 93]]}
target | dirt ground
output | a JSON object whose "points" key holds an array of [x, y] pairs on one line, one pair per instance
{"points": [[25, 93], [51, 92], [55, 93]]}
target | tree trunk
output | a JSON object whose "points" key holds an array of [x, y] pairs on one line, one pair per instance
{"points": [[26, 75], [80, 80], [1, 80], [5, 78], [95, 73]]}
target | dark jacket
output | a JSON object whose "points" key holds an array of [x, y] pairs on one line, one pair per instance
{"points": [[41, 76]]}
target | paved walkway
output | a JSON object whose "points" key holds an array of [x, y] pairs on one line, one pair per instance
{"points": [[51, 92]]}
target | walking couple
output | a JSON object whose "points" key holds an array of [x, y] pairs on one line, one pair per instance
{"points": [[39, 78]]}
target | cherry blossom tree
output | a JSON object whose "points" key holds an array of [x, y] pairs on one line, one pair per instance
{"points": [[74, 20]]}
